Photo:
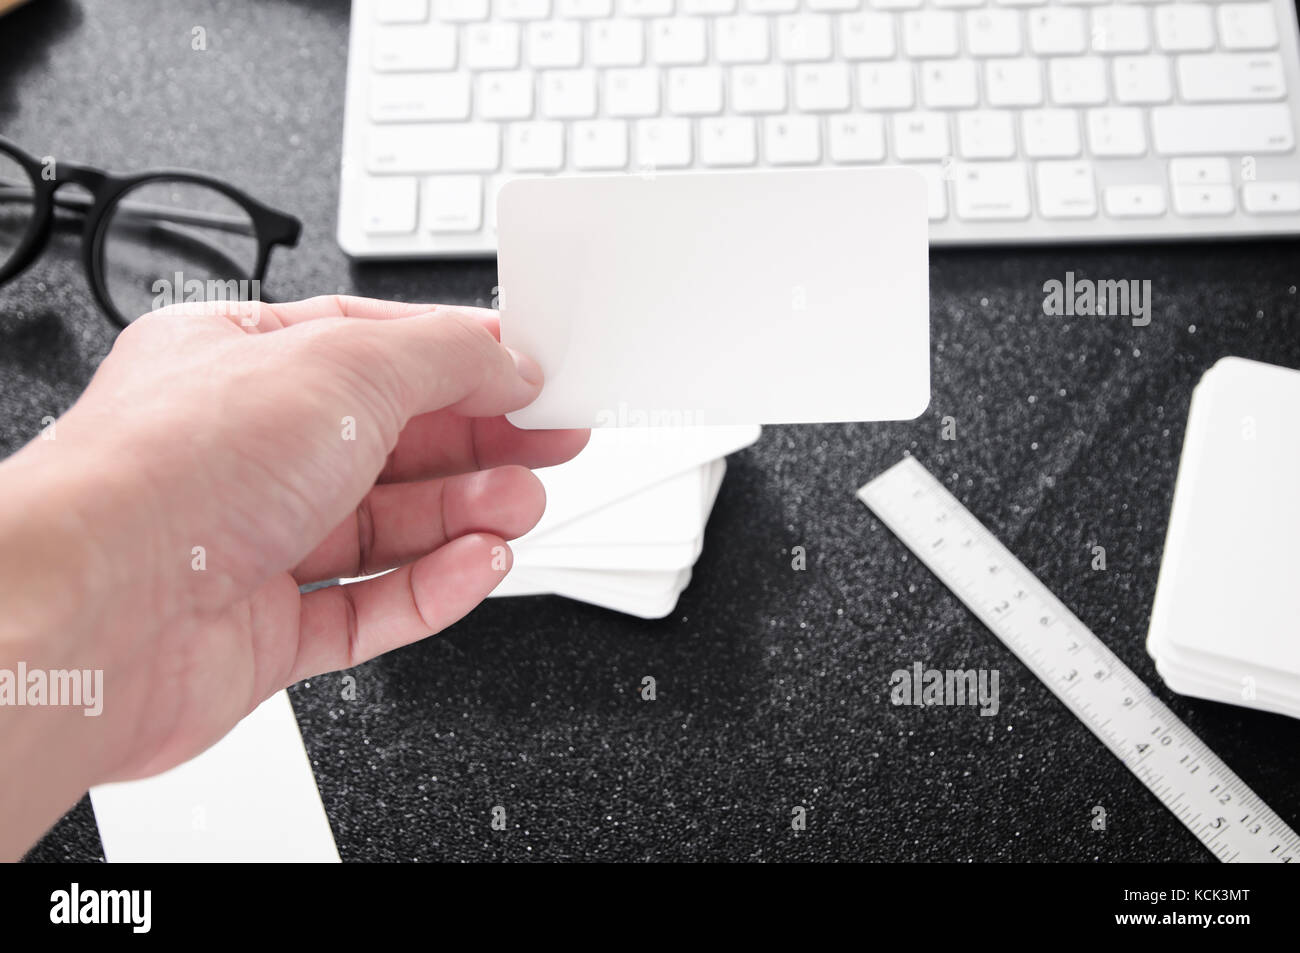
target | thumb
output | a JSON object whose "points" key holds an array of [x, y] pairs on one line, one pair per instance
{"points": [[446, 358]]}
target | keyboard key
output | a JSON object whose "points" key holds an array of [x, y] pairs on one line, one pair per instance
{"points": [[936, 190], [569, 93], [492, 46], [895, 4], [1211, 130], [389, 205], [452, 203], [993, 33], [1134, 201], [434, 147], [616, 43], [833, 6], [554, 45], [771, 6], [950, 84], [932, 33], [407, 48], [586, 9], [1141, 79], [677, 41], [758, 89], [986, 134], [708, 7], [920, 135], [867, 36], [503, 95], [461, 11], [663, 143], [1184, 27], [402, 11], [535, 146], [491, 187], [1066, 190], [1209, 171], [600, 145], [1203, 200], [1056, 32], [803, 38], [1116, 132], [695, 90], [1247, 26], [885, 86], [1120, 30], [646, 8], [1270, 198], [991, 191], [631, 92], [523, 9], [1078, 80], [792, 140], [419, 97], [1014, 82], [741, 39], [1231, 77], [1050, 133], [728, 142], [856, 138], [822, 88]]}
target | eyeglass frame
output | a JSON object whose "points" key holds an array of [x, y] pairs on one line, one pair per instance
{"points": [[270, 227]]}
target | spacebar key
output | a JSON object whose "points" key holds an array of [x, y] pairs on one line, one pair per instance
{"points": [[434, 147], [1214, 130]]}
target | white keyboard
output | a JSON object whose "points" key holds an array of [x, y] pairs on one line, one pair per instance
{"points": [[1033, 120]]}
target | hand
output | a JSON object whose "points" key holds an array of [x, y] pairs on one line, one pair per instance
{"points": [[162, 531]]}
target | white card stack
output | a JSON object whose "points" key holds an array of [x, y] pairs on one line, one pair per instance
{"points": [[625, 519], [1226, 620]]}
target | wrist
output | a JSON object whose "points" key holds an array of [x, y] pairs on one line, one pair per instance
{"points": [[53, 561], [52, 667]]}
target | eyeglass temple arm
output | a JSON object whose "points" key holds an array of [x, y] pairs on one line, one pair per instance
{"points": [[142, 216], [143, 210]]}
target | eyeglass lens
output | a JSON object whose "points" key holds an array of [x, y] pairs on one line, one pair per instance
{"points": [[17, 207], [167, 241]]}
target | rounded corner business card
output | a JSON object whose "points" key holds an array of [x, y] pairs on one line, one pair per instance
{"points": [[719, 298]]}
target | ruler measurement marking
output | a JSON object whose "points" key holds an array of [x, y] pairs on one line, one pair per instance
{"points": [[1095, 685]]}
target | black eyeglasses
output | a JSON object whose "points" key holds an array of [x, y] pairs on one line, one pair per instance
{"points": [[150, 240]]}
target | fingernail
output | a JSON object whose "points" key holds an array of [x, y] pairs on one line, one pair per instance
{"points": [[528, 369]]}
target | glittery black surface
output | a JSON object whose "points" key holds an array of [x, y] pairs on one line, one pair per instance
{"points": [[772, 683]]}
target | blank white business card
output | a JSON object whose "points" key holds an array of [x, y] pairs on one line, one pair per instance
{"points": [[249, 798], [796, 296], [617, 464]]}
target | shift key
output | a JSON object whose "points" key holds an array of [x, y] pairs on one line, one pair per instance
{"points": [[434, 147], [1214, 130]]}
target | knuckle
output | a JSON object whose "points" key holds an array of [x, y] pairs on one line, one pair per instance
{"points": [[462, 333]]}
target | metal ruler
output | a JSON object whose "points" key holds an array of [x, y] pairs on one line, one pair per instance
{"points": [[1103, 693]]}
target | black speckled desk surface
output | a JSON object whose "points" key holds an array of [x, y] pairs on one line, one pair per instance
{"points": [[772, 683]]}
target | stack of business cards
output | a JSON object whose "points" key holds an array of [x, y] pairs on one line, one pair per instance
{"points": [[1226, 620], [625, 519]]}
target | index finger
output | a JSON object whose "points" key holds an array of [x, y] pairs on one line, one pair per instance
{"points": [[371, 309]]}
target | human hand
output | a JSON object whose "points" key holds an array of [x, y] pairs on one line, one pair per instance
{"points": [[210, 468]]}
